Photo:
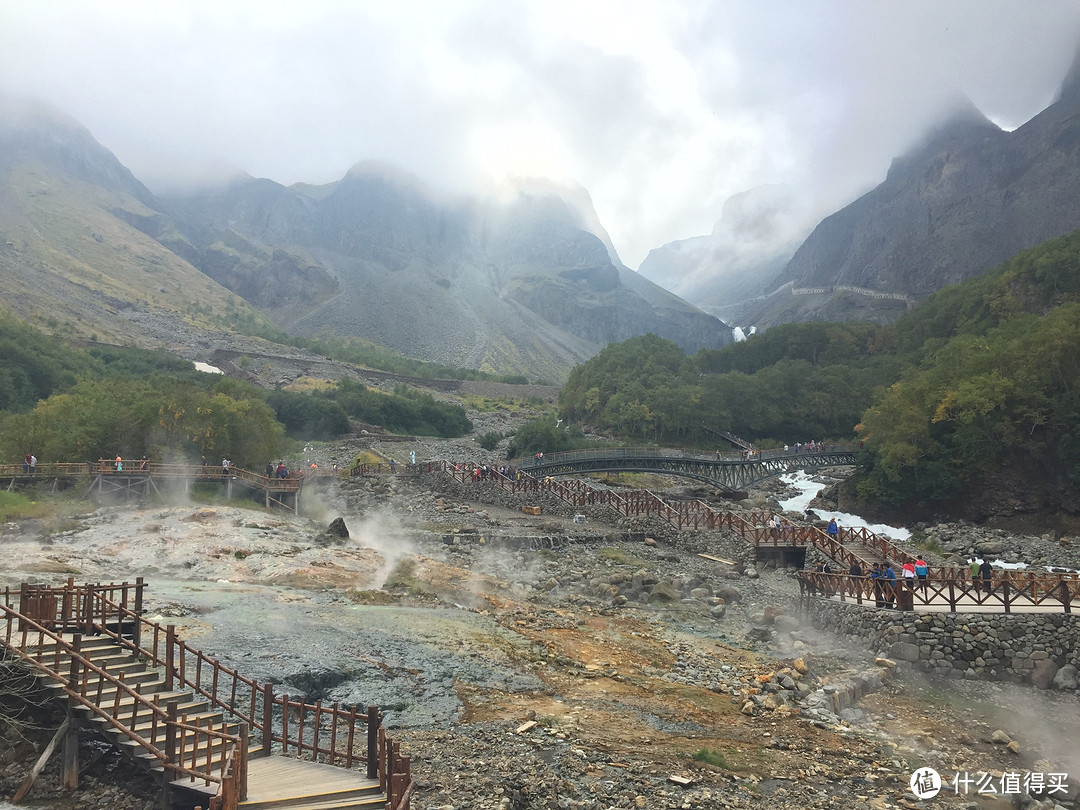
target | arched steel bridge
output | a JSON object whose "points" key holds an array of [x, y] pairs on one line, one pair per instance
{"points": [[730, 471]]}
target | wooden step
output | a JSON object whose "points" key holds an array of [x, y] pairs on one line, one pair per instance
{"points": [[358, 802], [281, 782]]}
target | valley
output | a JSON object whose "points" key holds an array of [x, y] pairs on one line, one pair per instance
{"points": [[521, 663]]}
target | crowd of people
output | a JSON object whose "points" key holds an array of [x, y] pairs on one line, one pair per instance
{"points": [[914, 574]]}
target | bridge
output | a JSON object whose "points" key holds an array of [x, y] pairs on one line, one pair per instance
{"points": [[143, 480], [732, 472]]}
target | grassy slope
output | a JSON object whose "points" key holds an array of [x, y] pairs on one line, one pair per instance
{"points": [[70, 264]]}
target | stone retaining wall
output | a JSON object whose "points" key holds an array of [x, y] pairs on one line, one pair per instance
{"points": [[1042, 649]]}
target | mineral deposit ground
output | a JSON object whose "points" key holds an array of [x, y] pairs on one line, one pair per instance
{"points": [[530, 661]]}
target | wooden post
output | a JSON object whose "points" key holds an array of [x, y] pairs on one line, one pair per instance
{"points": [[70, 757], [242, 763], [136, 634], [372, 742], [170, 641], [268, 719], [24, 788]]}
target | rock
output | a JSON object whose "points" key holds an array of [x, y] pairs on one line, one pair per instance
{"points": [[729, 593], [338, 528], [787, 624], [1066, 678], [903, 651], [999, 737], [1013, 746], [1043, 674], [748, 708], [664, 592], [800, 666]]}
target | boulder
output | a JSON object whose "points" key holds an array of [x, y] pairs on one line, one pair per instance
{"points": [[338, 528], [1066, 678], [903, 651], [1043, 674], [664, 592], [728, 593], [787, 623]]}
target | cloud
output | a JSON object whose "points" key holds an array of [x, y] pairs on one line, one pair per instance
{"points": [[662, 110]]}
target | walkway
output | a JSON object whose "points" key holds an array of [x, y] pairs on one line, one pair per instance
{"points": [[733, 472], [198, 725], [951, 592]]}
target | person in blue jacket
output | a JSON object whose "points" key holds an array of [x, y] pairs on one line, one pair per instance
{"points": [[890, 585]]}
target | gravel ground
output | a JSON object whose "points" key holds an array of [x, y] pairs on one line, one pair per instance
{"points": [[534, 662]]}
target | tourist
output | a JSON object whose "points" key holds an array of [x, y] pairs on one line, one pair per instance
{"points": [[855, 575], [33, 464], [879, 585], [922, 571], [986, 574], [908, 569], [890, 584], [833, 530], [270, 469], [26, 464], [119, 464], [973, 566]]}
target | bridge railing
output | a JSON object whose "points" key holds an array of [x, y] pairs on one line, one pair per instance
{"points": [[50, 470], [1007, 590], [200, 472], [571, 456]]}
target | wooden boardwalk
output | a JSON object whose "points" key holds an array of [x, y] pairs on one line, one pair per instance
{"points": [[141, 479], [203, 729], [950, 591], [285, 783]]}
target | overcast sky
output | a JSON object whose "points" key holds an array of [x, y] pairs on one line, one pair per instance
{"points": [[662, 109]]}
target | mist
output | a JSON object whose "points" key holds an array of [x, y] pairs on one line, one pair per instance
{"points": [[662, 111]]}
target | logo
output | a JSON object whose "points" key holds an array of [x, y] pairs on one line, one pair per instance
{"points": [[925, 783]]}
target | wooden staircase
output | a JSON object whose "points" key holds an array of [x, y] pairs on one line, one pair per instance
{"points": [[189, 720]]}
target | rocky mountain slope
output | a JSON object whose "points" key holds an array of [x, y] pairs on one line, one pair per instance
{"points": [[529, 286], [967, 198], [78, 236], [524, 285]]}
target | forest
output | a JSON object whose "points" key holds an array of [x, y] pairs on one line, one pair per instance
{"points": [[980, 377], [73, 404]]}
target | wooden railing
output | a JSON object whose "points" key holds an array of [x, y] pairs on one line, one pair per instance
{"points": [[1007, 590], [329, 734], [182, 749], [664, 452], [245, 698]]}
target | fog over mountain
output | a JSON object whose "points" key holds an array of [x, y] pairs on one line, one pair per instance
{"points": [[528, 283], [662, 110]]}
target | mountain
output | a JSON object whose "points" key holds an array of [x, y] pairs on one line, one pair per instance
{"points": [[79, 249], [755, 237], [531, 285], [522, 285], [964, 200]]}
